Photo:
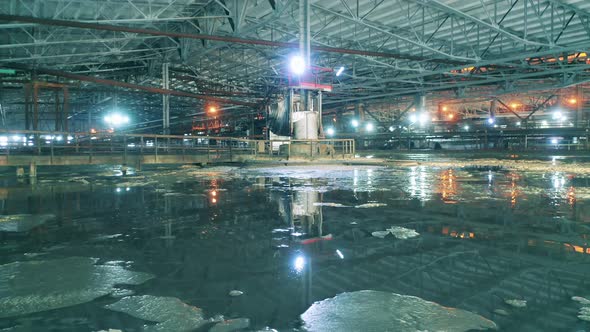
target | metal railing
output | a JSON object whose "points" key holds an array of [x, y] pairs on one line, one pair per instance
{"points": [[216, 148]]}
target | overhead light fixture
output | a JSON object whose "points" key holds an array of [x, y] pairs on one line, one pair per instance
{"points": [[451, 116], [330, 131], [413, 118], [354, 123], [423, 118], [554, 141], [466, 127], [116, 119], [340, 70], [391, 128], [557, 115], [297, 64], [369, 127], [491, 120]]}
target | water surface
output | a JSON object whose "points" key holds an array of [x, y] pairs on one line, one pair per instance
{"points": [[289, 236]]}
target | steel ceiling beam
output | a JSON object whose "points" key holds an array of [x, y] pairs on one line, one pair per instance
{"points": [[116, 28], [126, 85]]}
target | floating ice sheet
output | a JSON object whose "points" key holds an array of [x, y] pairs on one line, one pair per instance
{"points": [[402, 232], [34, 286], [329, 204], [169, 313], [370, 205], [23, 222], [231, 325], [376, 311]]}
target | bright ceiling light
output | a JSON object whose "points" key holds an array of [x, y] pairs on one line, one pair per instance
{"points": [[413, 118], [330, 131], [340, 70], [354, 123], [491, 120], [554, 141], [116, 119], [466, 127], [557, 115], [423, 118], [369, 127], [297, 65]]}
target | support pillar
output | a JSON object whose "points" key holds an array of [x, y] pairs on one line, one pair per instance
{"points": [[165, 100], [65, 110], [33, 170]]}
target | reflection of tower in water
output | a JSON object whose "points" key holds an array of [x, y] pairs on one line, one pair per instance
{"points": [[306, 215]]}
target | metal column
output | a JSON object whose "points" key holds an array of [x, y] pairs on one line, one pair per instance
{"points": [[165, 100]]}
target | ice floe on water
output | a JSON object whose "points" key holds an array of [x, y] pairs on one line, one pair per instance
{"points": [[169, 313], [370, 311], [581, 300], [23, 222], [231, 325], [516, 303], [34, 286], [370, 205], [380, 234], [329, 204], [402, 232], [398, 232]]}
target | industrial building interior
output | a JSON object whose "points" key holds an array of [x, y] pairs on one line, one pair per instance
{"points": [[303, 165]]}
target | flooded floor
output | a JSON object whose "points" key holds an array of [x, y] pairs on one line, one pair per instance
{"points": [[266, 243]]}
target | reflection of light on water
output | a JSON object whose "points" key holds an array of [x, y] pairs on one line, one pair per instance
{"points": [[369, 176], [355, 179], [558, 180], [339, 254], [571, 196], [299, 263], [448, 186], [553, 161], [418, 182], [490, 177], [413, 181]]}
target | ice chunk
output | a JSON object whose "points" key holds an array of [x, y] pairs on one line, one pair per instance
{"points": [[402, 233], [34, 286], [382, 311], [581, 300], [501, 312], [23, 222], [370, 205], [231, 325], [329, 204], [170, 313], [516, 303], [380, 234]]}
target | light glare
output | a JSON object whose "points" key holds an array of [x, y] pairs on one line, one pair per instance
{"points": [[297, 65]]}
